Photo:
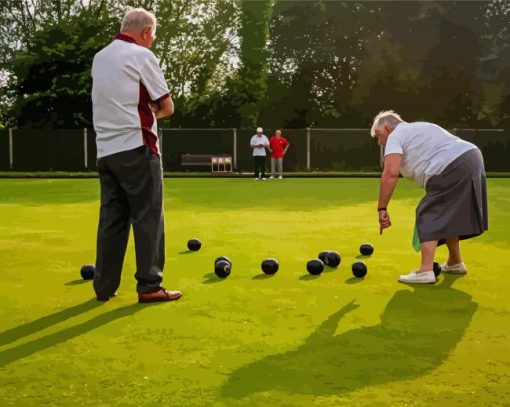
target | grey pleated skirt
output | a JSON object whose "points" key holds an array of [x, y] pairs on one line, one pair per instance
{"points": [[455, 203]]}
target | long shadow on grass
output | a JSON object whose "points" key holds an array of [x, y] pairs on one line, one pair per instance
{"points": [[37, 345], [30, 328], [212, 278], [78, 282], [263, 276], [417, 332], [354, 280]]}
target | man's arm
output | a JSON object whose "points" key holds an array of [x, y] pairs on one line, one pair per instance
{"points": [[163, 107], [266, 144]]}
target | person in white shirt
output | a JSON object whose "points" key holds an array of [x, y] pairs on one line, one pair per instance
{"points": [[258, 143], [129, 93], [452, 173]]}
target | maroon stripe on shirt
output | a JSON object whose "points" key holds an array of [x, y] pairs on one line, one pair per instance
{"points": [[147, 120]]}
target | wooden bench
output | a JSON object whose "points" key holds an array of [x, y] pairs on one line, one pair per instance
{"points": [[206, 160]]}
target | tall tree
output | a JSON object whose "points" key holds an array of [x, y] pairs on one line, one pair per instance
{"points": [[53, 82], [316, 48], [254, 55], [195, 42]]}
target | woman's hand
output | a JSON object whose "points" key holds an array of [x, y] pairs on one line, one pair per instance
{"points": [[384, 220]]}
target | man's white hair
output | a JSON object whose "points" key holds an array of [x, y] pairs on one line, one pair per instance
{"points": [[383, 118], [136, 19]]}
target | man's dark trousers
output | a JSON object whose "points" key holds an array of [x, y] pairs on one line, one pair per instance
{"points": [[259, 163], [131, 194]]}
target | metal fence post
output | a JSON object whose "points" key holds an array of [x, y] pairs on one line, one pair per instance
{"points": [[235, 148], [11, 150], [381, 156], [308, 148], [85, 148]]}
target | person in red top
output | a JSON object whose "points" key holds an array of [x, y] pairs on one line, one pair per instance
{"points": [[278, 146]]}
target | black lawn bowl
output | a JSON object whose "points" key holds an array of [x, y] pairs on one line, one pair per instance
{"points": [[437, 269], [222, 258], [87, 271], [315, 266], [222, 268], [194, 245], [323, 255], [269, 266], [333, 259], [366, 249], [359, 269]]}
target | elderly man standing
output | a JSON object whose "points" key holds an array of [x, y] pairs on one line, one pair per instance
{"points": [[129, 93], [452, 173], [258, 144]]}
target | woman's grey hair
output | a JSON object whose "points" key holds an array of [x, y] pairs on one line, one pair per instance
{"points": [[136, 19], [383, 118]]}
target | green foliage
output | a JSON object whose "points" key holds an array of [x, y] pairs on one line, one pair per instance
{"points": [[316, 48], [252, 80], [275, 63], [53, 75]]}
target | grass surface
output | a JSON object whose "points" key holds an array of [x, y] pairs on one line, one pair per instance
{"points": [[250, 340]]}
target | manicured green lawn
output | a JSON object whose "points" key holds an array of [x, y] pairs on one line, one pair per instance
{"points": [[250, 340]]}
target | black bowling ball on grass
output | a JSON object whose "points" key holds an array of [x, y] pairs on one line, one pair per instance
{"points": [[222, 268], [323, 255], [87, 271], [194, 245], [333, 259], [366, 249], [269, 266], [222, 258], [359, 269], [315, 266]]}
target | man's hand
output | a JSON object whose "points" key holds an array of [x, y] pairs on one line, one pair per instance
{"points": [[154, 107], [163, 108], [384, 221]]}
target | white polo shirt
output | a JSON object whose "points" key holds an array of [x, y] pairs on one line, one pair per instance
{"points": [[125, 78], [426, 149], [259, 151]]}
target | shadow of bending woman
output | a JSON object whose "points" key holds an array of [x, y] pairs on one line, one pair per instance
{"points": [[419, 328]]}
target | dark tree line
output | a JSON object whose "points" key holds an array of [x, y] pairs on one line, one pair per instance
{"points": [[274, 63]]}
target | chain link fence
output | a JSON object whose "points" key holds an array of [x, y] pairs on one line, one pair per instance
{"points": [[311, 149]]}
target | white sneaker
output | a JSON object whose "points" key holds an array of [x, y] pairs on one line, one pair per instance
{"points": [[271, 177], [263, 179], [256, 179], [425, 277], [459, 268], [280, 177]]}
